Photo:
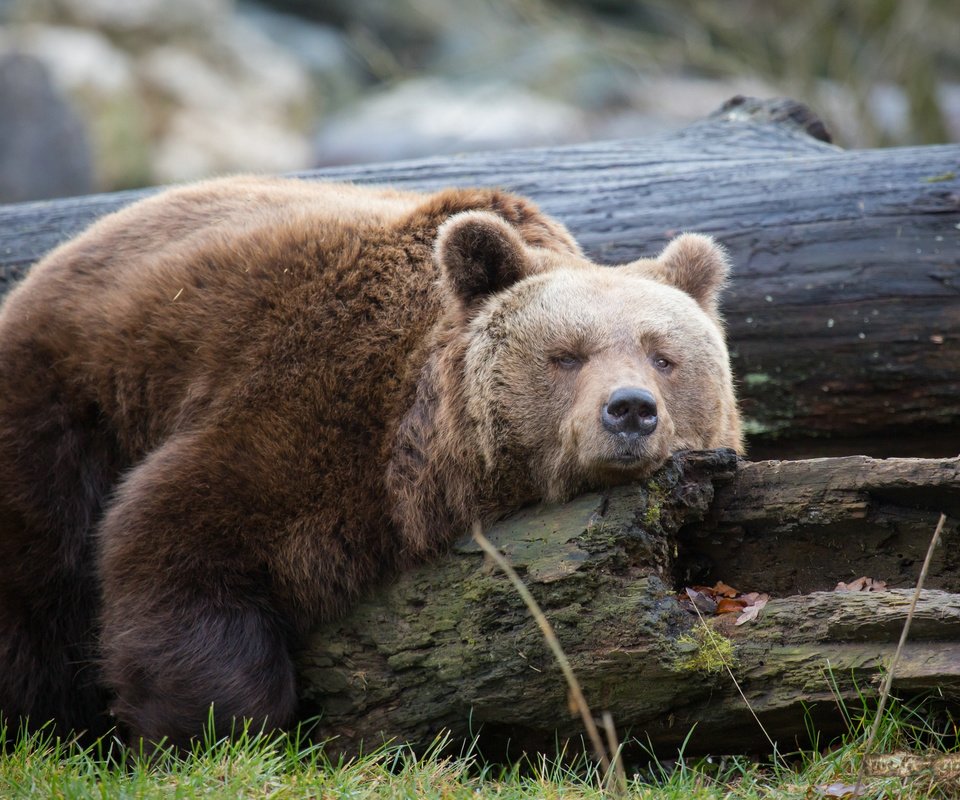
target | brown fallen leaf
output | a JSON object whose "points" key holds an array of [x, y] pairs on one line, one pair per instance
{"points": [[721, 598], [862, 584], [723, 590], [730, 605], [706, 591]]}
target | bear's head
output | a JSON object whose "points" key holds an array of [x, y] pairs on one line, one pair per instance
{"points": [[578, 375]]}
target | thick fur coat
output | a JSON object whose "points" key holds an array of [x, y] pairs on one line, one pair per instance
{"points": [[228, 409]]}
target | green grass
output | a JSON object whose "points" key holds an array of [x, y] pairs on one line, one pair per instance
{"points": [[257, 766]]}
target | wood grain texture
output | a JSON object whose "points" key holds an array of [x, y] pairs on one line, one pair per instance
{"points": [[844, 308], [794, 527]]}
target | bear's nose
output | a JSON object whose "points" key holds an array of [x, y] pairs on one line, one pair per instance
{"points": [[630, 410]]}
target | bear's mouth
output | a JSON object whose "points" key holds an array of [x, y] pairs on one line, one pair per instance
{"points": [[628, 458], [626, 461], [623, 468], [631, 455]]}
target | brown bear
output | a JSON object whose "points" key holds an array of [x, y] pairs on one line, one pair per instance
{"points": [[229, 408]]}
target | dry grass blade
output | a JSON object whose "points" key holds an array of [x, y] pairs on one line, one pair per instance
{"points": [[888, 681], [546, 628], [617, 772]]}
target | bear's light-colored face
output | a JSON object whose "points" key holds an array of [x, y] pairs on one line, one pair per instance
{"points": [[580, 376]]}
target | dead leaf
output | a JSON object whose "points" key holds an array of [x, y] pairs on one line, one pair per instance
{"points": [[751, 612], [729, 605], [721, 598], [841, 791], [706, 591], [862, 584], [724, 590], [703, 603], [854, 586], [756, 599]]}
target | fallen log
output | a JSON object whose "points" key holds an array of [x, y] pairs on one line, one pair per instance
{"points": [[843, 312], [452, 647]]}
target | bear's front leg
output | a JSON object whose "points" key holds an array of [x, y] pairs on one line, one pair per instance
{"points": [[190, 616], [172, 666]]}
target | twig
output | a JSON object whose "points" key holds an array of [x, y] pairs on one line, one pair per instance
{"points": [[548, 633], [888, 681]]}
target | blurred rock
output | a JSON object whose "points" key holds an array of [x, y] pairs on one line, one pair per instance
{"points": [[406, 30], [269, 75], [950, 102], [180, 89], [559, 62], [884, 115], [43, 144], [101, 80], [254, 82], [430, 116], [200, 143], [165, 108], [81, 60], [154, 17], [335, 67], [239, 106]]}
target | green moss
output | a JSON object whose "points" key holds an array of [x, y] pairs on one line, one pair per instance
{"points": [[651, 517], [756, 427], [656, 495], [756, 378], [703, 650]]}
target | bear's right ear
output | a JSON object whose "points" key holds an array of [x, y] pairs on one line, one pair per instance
{"points": [[478, 254]]}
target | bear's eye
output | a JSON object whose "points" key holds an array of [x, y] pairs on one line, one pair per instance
{"points": [[567, 361], [662, 364]]}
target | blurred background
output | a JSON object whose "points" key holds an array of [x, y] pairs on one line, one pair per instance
{"points": [[98, 95]]}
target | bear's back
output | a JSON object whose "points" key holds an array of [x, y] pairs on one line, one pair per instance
{"points": [[184, 302]]}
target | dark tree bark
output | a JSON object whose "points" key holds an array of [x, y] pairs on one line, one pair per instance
{"points": [[794, 527], [843, 312], [451, 646]]}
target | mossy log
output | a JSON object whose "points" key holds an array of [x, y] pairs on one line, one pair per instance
{"points": [[452, 647], [843, 311]]}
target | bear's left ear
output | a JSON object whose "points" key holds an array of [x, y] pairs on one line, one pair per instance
{"points": [[478, 254], [695, 264]]}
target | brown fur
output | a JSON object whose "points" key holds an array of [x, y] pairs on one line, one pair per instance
{"points": [[226, 410]]}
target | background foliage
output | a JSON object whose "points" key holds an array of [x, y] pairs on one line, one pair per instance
{"points": [[170, 90]]}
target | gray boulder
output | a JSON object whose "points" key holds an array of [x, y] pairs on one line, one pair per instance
{"points": [[44, 149]]}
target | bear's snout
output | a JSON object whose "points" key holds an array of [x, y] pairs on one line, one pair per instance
{"points": [[630, 412]]}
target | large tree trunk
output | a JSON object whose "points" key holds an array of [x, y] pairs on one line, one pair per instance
{"points": [[843, 312], [452, 646]]}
